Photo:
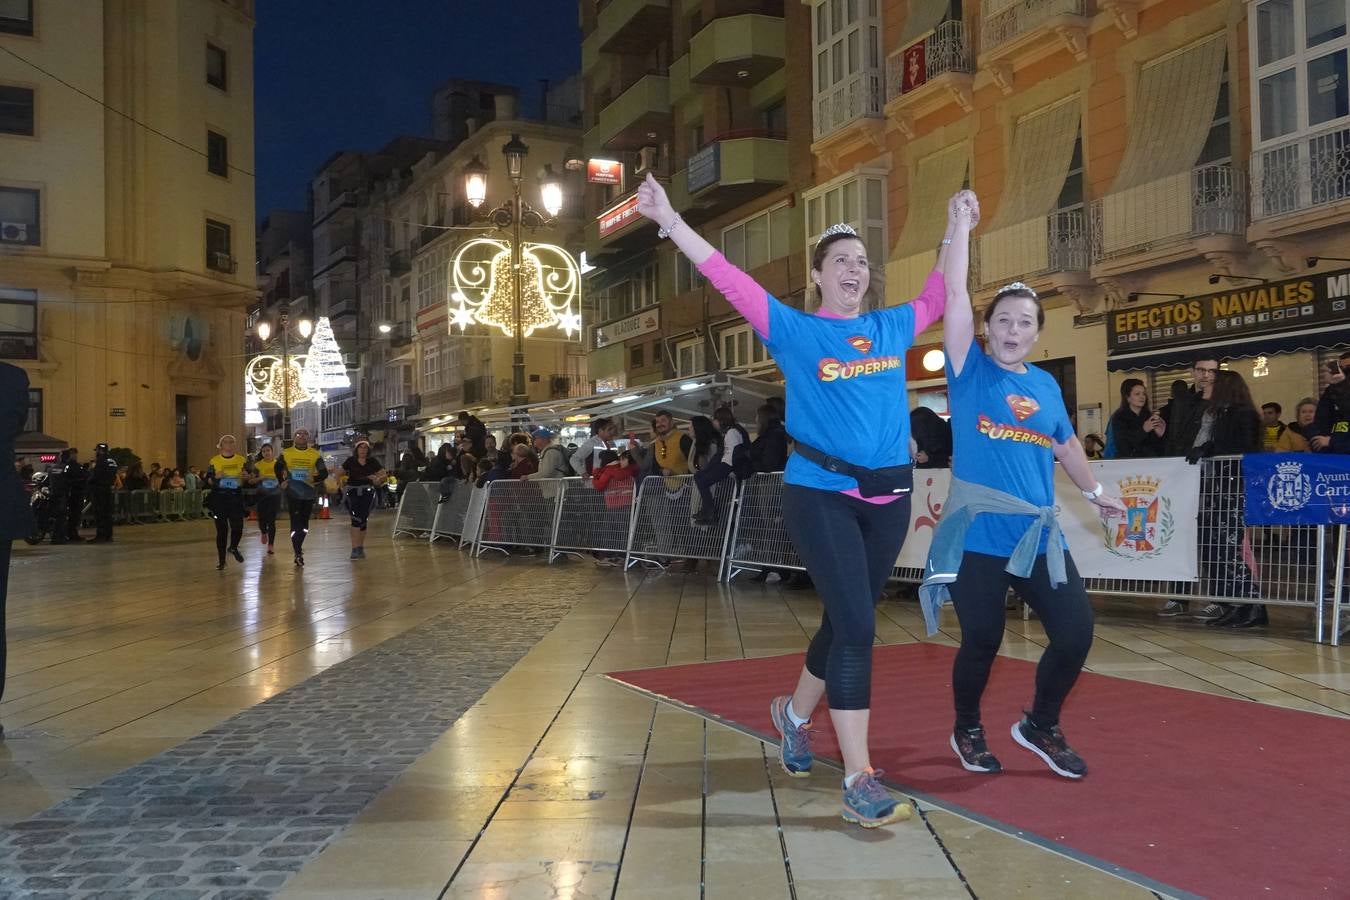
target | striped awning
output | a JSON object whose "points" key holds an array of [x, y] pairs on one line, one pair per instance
{"points": [[923, 17], [935, 179], [1041, 153], [1173, 111]]}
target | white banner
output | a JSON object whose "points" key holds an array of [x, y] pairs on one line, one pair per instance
{"points": [[1156, 540]]}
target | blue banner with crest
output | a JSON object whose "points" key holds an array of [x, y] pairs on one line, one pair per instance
{"points": [[1297, 488]]}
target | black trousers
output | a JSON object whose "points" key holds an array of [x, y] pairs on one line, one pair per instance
{"points": [[75, 515], [268, 507], [103, 512], [228, 509], [4, 590], [849, 548], [1066, 613], [358, 504], [300, 513]]}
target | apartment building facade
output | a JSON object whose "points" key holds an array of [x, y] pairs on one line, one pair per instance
{"points": [[126, 249]]}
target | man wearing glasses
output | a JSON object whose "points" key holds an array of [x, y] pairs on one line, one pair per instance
{"points": [[1188, 410]]}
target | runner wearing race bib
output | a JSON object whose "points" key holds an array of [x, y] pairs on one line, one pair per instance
{"points": [[226, 475], [999, 526], [302, 469], [364, 475], [269, 495]]}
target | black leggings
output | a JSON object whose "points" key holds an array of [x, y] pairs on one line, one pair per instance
{"points": [[268, 506], [358, 504], [705, 479], [978, 594], [300, 512], [849, 548], [229, 513]]}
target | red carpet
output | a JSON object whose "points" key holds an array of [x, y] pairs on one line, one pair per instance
{"points": [[1187, 793]]}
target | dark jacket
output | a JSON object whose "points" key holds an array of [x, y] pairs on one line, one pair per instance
{"points": [[1333, 417], [1131, 440], [476, 431], [769, 450], [102, 473], [933, 434], [1183, 415], [16, 519], [1236, 431]]}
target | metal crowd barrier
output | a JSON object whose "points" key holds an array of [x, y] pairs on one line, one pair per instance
{"points": [[449, 521], [417, 508], [759, 539], [588, 520], [518, 514], [473, 519], [663, 525], [1340, 581]]}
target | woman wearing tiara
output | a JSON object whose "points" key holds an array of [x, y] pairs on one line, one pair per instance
{"points": [[998, 527], [846, 493]]}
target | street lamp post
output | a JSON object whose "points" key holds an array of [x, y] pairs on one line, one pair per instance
{"points": [[516, 213], [304, 327]]}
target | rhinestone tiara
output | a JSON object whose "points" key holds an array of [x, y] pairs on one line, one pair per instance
{"points": [[1018, 287], [841, 228]]}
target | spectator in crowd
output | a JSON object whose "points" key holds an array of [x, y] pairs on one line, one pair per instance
{"points": [[1093, 446], [552, 458], [769, 449], [734, 459], [491, 444], [1295, 437], [475, 431], [1331, 424], [933, 436], [192, 479], [156, 476], [523, 462], [707, 450], [616, 478], [465, 460], [1272, 428], [494, 469], [120, 480], [175, 482], [1186, 409], [668, 453], [603, 433], [1230, 426], [442, 464], [468, 467], [136, 479], [1135, 431]]}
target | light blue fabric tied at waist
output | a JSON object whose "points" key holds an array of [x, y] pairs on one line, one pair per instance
{"points": [[965, 501]]}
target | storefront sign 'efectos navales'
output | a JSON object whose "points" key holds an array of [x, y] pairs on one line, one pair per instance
{"points": [[1315, 300]]}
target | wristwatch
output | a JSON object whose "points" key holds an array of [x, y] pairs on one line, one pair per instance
{"points": [[1095, 492], [664, 233]]}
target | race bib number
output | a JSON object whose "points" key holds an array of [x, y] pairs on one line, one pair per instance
{"points": [[269, 483], [300, 475], [229, 484]]}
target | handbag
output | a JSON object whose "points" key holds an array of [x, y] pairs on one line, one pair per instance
{"points": [[885, 482]]}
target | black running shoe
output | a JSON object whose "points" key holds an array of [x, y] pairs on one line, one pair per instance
{"points": [[1051, 747], [973, 750], [220, 565], [238, 557], [300, 560]]}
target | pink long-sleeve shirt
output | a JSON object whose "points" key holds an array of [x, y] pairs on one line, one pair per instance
{"points": [[830, 373]]}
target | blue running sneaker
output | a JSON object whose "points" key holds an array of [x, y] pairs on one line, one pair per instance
{"points": [[794, 750], [870, 805]]}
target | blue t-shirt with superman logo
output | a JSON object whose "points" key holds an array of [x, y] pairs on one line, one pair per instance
{"points": [[845, 388], [1004, 427]]}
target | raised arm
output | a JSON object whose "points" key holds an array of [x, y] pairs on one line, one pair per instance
{"points": [[958, 320], [741, 291]]}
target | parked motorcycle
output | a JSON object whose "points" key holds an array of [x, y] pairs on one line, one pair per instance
{"points": [[41, 504]]}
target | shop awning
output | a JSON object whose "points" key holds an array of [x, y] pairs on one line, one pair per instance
{"points": [[1041, 153], [1256, 345], [683, 398], [936, 177], [32, 442]]}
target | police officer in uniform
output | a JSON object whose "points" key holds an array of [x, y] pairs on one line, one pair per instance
{"points": [[58, 493], [76, 475], [102, 474]]}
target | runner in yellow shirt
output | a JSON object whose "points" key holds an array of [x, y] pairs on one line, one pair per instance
{"points": [[269, 495], [226, 474], [302, 468]]}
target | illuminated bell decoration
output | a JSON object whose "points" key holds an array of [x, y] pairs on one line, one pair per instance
{"points": [[269, 376], [484, 291], [252, 414]]}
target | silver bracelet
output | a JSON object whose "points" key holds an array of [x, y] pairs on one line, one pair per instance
{"points": [[946, 241], [664, 233]]}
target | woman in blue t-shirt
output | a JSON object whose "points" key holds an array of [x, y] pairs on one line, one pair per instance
{"points": [[846, 494], [998, 528]]}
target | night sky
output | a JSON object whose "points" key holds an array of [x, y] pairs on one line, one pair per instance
{"points": [[351, 74]]}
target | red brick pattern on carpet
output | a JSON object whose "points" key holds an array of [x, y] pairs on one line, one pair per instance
{"points": [[1208, 795]]}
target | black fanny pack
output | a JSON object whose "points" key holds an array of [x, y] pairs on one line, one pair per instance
{"points": [[887, 482]]}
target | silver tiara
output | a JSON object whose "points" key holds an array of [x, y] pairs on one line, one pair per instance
{"points": [[841, 228], [1020, 288]]}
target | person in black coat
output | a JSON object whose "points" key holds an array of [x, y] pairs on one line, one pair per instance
{"points": [[769, 449], [1136, 431], [16, 518], [1184, 414], [476, 431], [102, 474], [933, 434]]}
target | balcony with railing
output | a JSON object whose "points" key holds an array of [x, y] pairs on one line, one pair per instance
{"points": [[859, 99], [731, 169], [626, 26], [926, 75], [626, 121], [1019, 32], [399, 263], [1303, 183], [479, 389], [342, 306], [400, 334], [1169, 218], [339, 413], [739, 50], [1045, 252]]}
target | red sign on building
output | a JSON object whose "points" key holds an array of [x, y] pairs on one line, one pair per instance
{"points": [[604, 171], [916, 68], [618, 216]]}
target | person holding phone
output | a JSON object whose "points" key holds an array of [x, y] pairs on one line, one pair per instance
{"points": [[1331, 424]]}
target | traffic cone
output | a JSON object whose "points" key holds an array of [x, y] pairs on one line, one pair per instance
{"points": [[323, 512]]}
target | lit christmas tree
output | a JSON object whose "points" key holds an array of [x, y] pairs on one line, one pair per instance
{"points": [[324, 368]]}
